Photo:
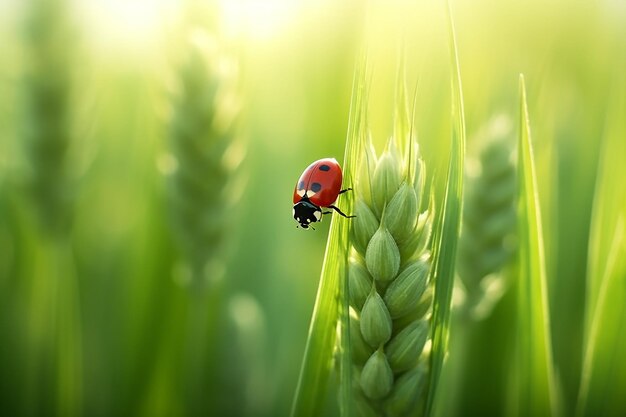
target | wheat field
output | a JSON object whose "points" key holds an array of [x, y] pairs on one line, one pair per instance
{"points": [[149, 263]]}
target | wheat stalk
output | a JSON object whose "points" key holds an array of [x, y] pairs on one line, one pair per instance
{"points": [[205, 155], [54, 349]]}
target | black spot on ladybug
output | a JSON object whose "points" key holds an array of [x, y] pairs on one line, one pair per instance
{"points": [[316, 186], [300, 185], [324, 167]]}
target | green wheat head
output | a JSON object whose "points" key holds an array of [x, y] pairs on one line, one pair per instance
{"points": [[390, 294], [203, 139], [489, 219], [383, 302], [47, 107]]}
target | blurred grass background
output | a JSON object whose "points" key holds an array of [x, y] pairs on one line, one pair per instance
{"points": [[126, 319]]}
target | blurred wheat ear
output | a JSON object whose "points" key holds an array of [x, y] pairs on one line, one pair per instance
{"points": [[47, 91], [486, 247], [489, 219], [53, 378], [203, 190], [206, 154]]}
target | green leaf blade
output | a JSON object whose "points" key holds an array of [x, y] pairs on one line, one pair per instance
{"points": [[331, 304], [535, 376], [448, 228], [603, 380]]}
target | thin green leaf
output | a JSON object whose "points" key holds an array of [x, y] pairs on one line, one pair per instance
{"points": [[603, 379], [448, 228], [535, 384], [331, 304], [402, 126]]}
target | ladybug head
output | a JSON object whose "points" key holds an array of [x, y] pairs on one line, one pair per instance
{"points": [[306, 213]]}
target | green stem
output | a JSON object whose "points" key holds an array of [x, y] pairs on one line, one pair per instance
{"points": [[54, 347], [203, 306]]}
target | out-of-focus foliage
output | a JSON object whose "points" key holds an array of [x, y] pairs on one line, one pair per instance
{"points": [[126, 324]]}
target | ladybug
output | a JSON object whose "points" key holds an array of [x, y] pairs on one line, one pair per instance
{"points": [[318, 187]]}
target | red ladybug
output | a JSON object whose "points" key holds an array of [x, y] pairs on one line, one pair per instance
{"points": [[318, 186]]}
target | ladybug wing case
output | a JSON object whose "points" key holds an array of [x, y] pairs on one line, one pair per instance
{"points": [[303, 182], [320, 182]]}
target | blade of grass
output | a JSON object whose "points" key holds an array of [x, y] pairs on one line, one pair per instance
{"points": [[354, 148], [604, 370], [535, 384], [332, 295], [448, 227]]}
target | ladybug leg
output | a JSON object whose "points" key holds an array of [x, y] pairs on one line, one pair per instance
{"points": [[343, 191], [340, 212]]}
